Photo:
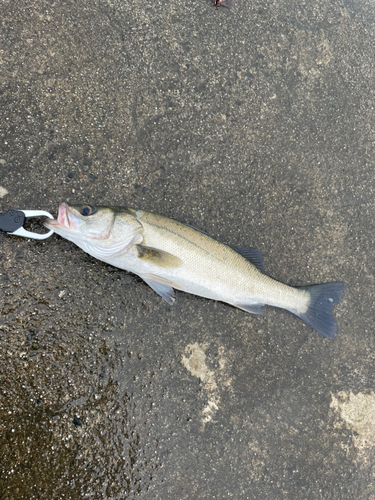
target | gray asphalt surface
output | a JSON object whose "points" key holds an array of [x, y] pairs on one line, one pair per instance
{"points": [[255, 125]]}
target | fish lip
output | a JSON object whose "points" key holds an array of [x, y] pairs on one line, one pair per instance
{"points": [[62, 218], [65, 219]]}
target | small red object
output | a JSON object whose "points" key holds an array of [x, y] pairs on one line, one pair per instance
{"points": [[222, 3]]}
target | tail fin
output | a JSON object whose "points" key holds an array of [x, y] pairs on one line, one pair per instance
{"points": [[323, 298]]}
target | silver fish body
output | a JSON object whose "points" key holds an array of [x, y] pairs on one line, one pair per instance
{"points": [[169, 255]]}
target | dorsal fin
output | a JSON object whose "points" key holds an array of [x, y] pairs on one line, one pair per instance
{"points": [[253, 255]]}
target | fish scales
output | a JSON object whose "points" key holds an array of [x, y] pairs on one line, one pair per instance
{"points": [[209, 261]]}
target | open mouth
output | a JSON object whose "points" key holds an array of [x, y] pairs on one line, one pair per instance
{"points": [[65, 219]]}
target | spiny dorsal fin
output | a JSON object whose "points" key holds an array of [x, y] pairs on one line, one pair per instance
{"points": [[158, 257], [200, 231], [253, 255]]}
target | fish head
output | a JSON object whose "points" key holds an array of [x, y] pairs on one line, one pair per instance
{"points": [[95, 229]]}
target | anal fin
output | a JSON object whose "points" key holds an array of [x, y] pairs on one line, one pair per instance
{"points": [[251, 308]]}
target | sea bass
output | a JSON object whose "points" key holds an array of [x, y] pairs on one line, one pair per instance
{"points": [[169, 255]]}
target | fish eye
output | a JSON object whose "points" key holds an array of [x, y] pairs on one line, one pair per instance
{"points": [[87, 210]]}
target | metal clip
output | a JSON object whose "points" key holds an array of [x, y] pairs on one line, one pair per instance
{"points": [[12, 223]]}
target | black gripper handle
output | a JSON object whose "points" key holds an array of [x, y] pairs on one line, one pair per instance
{"points": [[11, 221]]}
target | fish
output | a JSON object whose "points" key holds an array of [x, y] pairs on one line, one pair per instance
{"points": [[169, 255]]}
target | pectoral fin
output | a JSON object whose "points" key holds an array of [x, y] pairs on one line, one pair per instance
{"points": [[158, 257], [162, 289]]}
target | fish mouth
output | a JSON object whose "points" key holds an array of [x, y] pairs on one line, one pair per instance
{"points": [[65, 219]]}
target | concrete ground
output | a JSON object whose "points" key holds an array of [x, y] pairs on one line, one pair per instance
{"points": [[255, 124]]}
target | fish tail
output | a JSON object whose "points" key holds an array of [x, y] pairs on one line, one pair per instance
{"points": [[323, 299]]}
